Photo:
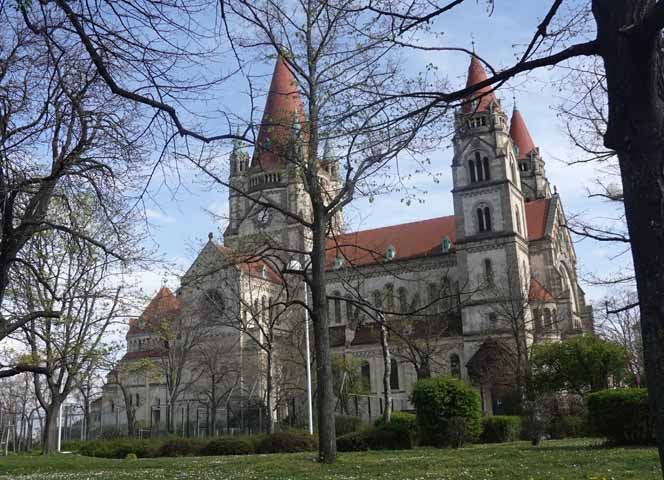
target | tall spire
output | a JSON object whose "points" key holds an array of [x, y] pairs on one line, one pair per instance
{"points": [[476, 74], [283, 104], [520, 135]]}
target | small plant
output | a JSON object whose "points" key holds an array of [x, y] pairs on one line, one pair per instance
{"points": [[287, 442], [498, 429], [353, 442], [131, 456]]}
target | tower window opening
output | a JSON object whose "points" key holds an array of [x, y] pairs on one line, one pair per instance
{"points": [[487, 171], [488, 272], [518, 220], [478, 165], [471, 167], [484, 219]]}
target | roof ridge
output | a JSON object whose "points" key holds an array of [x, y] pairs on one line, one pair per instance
{"points": [[396, 225]]}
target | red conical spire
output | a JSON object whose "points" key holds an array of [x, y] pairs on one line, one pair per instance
{"points": [[476, 74], [520, 135], [282, 108]]}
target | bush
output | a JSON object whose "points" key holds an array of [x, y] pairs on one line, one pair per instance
{"points": [[287, 442], [622, 416], [345, 424], [353, 442], [119, 448], [567, 426], [181, 447], [499, 429], [131, 456], [229, 446], [401, 422], [389, 437], [439, 400]]}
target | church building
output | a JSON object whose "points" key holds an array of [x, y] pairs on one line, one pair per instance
{"points": [[456, 292]]}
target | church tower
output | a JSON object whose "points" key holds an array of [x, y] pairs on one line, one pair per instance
{"points": [[534, 183], [272, 175], [489, 209]]}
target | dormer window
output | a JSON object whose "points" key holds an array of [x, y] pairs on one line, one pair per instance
{"points": [[338, 261], [390, 253], [141, 323], [447, 244], [264, 272]]}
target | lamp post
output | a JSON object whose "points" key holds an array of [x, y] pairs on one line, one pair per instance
{"points": [[296, 264]]}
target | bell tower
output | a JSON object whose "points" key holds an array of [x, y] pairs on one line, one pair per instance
{"points": [[489, 208]]}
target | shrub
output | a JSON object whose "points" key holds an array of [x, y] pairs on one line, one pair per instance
{"points": [[131, 456], [622, 416], [389, 437], [287, 442], [229, 446], [437, 401], [119, 448], [498, 429], [345, 424], [567, 426], [353, 442], [401, 422], [181, 447]]}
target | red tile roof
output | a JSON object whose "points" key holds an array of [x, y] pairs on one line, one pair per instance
{"points": [[283, 105], [416, 239], [409, 240], [539, 292], [164, 304], [520, 135], [477, 74], [537, 213]]}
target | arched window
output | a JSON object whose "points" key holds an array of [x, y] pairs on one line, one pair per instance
{"points": [[434, 297], [487, 170], [483, 219], [488, 272], [455, 365], [394, 375], [389, 297], [478, 165], [337, 307], [138, 400], [365, 374], [403, 300], [518, 220], [415, 303], [349, 309], [471, 169], [377, 300]]}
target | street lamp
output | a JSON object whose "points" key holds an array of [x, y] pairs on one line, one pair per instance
{"points": [[295, 264]]}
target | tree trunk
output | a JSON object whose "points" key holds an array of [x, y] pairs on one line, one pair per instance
{"points": [[387, 365], [327, 452], [632, 61], [270, 400], [423, 370], [50, 435]]}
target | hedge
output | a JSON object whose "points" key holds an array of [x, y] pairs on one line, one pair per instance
{"points": [[181, 447], [448, 411], [568, 426], [229, 446], [622, 416], [386, 437], [287, 442], [500, 428]]}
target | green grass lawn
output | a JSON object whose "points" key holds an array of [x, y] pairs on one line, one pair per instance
{"points": [[564, 459]]}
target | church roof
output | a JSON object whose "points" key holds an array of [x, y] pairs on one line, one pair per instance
{"points": [[163, 304], [415, 239], [520, 135], [537, 213], [477, 74], [282, 107], [408, 240], [538, 292]]}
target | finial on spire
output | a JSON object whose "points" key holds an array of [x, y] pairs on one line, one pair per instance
{"points": [[472, 41], [210, 236], [514, 101]]}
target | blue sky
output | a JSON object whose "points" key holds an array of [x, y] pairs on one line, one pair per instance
{"points": [[181, 218]]}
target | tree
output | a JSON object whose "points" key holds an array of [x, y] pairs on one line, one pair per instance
{"points": [[77, 278], [60, 135], [581, 364]]}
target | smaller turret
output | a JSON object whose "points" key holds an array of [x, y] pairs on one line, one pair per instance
{"points": [[534, 183]]}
